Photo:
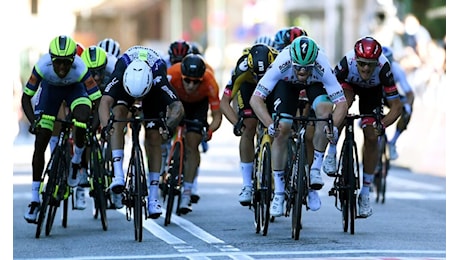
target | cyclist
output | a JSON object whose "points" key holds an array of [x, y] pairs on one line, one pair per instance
{"points": [[300, 66], [365, 72], [62, 76], [407, 98], [247, 72], [177, 51], [139, 76], [112, 48], [198, 90]]}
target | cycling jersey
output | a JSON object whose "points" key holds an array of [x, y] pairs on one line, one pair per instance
{"points": [[208, 88], [348, 75], [281, 70]]}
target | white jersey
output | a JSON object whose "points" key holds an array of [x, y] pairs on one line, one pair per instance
{"points": [[281, 69], [143, 53]]}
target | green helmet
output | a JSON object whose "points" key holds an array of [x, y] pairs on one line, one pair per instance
{"points": [[304, 50], [94, 57], [62, 47]]}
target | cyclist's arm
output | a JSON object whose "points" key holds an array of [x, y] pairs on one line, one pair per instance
{"points": [[226, 108], [105, 104], [175, 114]]}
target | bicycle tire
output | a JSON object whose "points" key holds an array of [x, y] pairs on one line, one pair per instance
{"points": [[354, 187], [53, 207], [138, 195], [65, 212], [343, 182], [256, 183], [299, 188], [266, 189], [99, 196], [46, 197], [171, 184]]}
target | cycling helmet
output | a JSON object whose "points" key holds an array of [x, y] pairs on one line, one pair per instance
{"points": [[193, 66], [278, 42], [94, 57], [111, 46], [265, 40], [178, 50], [195, 48], [138, 79], [388, 52], [80, 49], [62, 47], [292, 33], [368, 48], [259, 58], [304, 50]]}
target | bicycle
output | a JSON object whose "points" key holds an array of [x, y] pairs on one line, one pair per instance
{"points": [[298, 178], [346, 183], [172, 181], [262, 182], [99, 177], [135, 189], [53, 185], [381, 172]]}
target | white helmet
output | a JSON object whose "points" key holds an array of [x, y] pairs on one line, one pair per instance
{"points": [[138, 79], [111, 46]]}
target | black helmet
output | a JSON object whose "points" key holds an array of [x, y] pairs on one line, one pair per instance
{"points": [[260, 57], [193, 66]]}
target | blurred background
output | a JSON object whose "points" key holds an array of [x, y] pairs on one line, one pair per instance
{"points": [[224, 27]]}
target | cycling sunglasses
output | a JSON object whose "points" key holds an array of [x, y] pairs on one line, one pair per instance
{"points": [[66, 62], [299, 67], [97, 72], [368, 63], [191, 80]]}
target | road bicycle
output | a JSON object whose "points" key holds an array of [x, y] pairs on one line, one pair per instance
{"points": [[298, 170], [99, 177], [346, 183], [53, 185], [172, 180], [135, 190], [262, 183], [381, 172]]}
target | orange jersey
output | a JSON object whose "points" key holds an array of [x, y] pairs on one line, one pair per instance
{"points": [[207, 88]]}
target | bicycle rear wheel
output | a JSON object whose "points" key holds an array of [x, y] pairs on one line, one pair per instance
{"points": [[53, 207], [171, 183], [256, 184], [46, 197], [298, 176], [266, 188]]}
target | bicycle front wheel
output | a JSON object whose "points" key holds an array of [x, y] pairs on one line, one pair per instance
{"points": [[138, 195], [299, 189], [266, 188], [171, 183]]}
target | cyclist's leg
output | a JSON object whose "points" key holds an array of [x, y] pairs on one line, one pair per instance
{"points": [[120, 112]]}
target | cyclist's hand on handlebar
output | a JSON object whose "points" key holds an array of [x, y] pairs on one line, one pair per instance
{"points": [[105, 133], [379, 128], [272, 131], [331, 136], [166, 133], [238, 128]]}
